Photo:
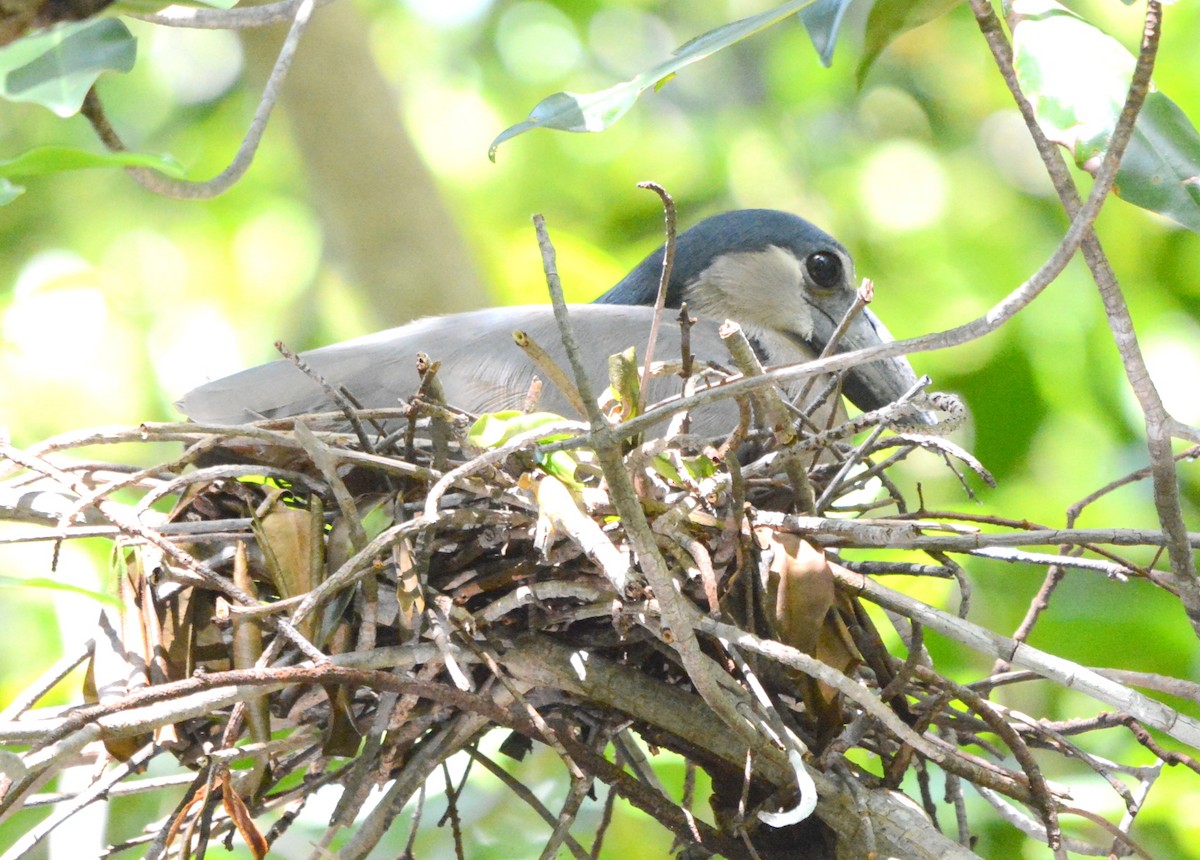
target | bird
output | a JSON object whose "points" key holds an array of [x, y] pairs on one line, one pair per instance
{"points": [[785, 281]]}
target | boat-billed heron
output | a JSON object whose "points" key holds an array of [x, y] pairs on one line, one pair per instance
{"points": [[788, 284]]}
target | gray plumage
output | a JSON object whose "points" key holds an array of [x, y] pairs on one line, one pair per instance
{"points": [[787, 282]]}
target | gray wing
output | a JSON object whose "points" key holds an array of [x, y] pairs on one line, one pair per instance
{"points": [[482, 368]]}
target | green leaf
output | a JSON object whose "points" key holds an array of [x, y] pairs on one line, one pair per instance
{"points": [[597, 111], [890, 19], [496, 428], [822, 20], [55, 585], [1161, 168], [376, 520], [56, 159], [57, 68], [666, 469], [700, 466], [562, 465], [1076, 78]]}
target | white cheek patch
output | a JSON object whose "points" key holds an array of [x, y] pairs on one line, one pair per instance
{"points": [[759, 289]]}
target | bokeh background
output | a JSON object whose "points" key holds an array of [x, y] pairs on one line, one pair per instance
{"points": [[372, 201]]}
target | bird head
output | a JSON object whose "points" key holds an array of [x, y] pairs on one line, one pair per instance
{"points": [[787, 282]]}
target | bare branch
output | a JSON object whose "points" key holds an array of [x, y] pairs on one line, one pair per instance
{"points": [[300, 13]]}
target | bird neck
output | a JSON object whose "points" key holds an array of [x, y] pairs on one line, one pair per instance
{"points": [[640, 286]]}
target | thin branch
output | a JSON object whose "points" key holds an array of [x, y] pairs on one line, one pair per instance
{"points": [[528, 797], [240, 18], [625, 499], [664, 281], [130, 525], [185, 190], [96, 791], [1160, 425], [30, 696], [1071, 675]]}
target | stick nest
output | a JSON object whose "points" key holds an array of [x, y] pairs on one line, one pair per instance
{"points": [[376, 601]]}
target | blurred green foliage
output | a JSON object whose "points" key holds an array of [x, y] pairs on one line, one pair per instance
{"points": [[114, 301]]}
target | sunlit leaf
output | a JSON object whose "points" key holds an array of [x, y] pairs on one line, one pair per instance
{"points": [[663, 465], [890, 19], [1077, 77], [57, 159], [495, 428], [561, 465], [597, 111], [1161, 169], [822, 20], [57, 68], [697, 468]]}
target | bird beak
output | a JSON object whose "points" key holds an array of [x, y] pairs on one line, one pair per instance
{"points": [[874, 385]]}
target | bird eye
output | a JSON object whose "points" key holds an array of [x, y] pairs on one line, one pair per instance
{"points": [[825, 269]]}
